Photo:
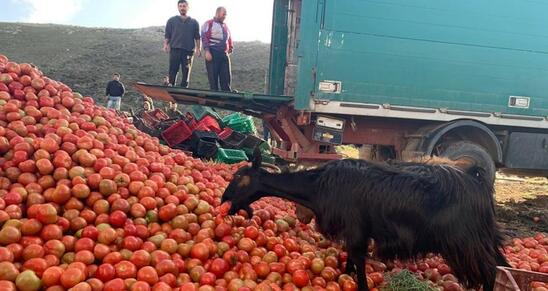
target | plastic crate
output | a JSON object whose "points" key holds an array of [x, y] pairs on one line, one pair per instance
{"points": [[143, 126], [199, 127], [244, 126], [210, 123], [177, 133], [234, 116], [265, 148], [234, 141], [198, 135], [252, 142], [225, 133], [158, 114], [154, 117], [200, 112], [230, 156], [266, 157], [509, 279], [202, 134], [164, 125], [269, 159], [206, 149]]}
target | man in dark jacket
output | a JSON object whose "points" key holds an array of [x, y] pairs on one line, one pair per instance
{"points": [[182, 41], [115, 92]]}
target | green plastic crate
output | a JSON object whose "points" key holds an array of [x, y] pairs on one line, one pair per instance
{"points": [[200, 112], [231, 117], [265, 148], [230, 156], [269, 159], [244, 126], [240, 122], [266, 157]]}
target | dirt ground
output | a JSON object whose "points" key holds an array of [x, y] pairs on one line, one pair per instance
{"points": [[522, 205]]}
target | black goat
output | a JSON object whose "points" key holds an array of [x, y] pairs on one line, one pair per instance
{"points": [[408, 209]]}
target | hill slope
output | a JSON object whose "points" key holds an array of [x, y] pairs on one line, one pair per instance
{"points": [[85, 58]]}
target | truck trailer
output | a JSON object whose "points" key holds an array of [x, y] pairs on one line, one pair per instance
{"points": [[402, 79]]}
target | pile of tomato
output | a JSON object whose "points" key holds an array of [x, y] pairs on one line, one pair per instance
{"points": [[88, 202]]}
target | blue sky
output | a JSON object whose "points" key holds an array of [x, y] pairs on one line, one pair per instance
{"points": [[248, 19]]}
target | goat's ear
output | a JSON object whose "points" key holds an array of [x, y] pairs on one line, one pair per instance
{"points": [[257, 159]]}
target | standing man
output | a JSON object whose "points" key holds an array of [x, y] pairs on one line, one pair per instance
{"points": [[115, 92], [182, 41], [217, 43]]}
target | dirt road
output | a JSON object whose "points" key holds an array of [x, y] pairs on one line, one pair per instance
{"points": [[522, 205]]}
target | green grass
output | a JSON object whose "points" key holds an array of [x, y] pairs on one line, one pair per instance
{"points": [[85, 58], [406, 281]]}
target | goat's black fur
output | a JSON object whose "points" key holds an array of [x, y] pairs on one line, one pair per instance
{"points": [[409, 209]]}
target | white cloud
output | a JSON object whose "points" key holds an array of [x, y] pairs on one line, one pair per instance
{"points": [[51, 11]]}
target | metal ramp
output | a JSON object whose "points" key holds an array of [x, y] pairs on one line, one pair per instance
{"points": [[249, 103]]}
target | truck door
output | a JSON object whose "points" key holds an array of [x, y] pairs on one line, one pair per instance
{"points": [[285, 42]]}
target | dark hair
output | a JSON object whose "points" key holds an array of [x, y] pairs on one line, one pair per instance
{"points": [[116, 74], [182, 1]]}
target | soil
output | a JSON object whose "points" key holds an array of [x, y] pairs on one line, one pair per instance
{"points": [[522, 205]]}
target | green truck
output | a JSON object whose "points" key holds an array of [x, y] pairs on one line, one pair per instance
{"points": [[401, 79]]}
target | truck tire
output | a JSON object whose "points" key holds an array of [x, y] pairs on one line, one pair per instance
{"points": [[466, 149]]}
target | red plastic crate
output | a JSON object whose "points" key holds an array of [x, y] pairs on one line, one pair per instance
{"points": [[200, 127], [177, 133], [154, 117], [225, 133], [211, 123], [159, 114]]}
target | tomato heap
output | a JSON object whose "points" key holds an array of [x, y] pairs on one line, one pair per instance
{"points": [[87, 202]]}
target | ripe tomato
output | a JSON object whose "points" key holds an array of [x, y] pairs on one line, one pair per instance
{"points": [[114, 285], [147, 274], [105, 272], [125, 270], [72, 276]]}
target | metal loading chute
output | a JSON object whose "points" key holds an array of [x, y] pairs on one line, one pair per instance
{"points": [[253, 104]]}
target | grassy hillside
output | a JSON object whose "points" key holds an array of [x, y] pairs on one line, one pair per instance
{"points": [[85, 58]]}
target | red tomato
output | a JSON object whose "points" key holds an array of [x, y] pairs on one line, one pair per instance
{"points": [[125, 270], [105, 272]]}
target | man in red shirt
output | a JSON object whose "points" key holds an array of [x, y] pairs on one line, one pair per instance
{"points": [[217, 43]]}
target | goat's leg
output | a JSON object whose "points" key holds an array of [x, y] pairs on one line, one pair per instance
{"points": [[357, 256], [489, 283], [362, 283], [350, 266], [501, 259]]}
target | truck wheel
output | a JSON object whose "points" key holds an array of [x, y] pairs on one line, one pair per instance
{"points": [[466, 149]]}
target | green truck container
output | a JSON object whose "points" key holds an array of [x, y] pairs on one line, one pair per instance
{"points": [[470, 55], [401, 79]]}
